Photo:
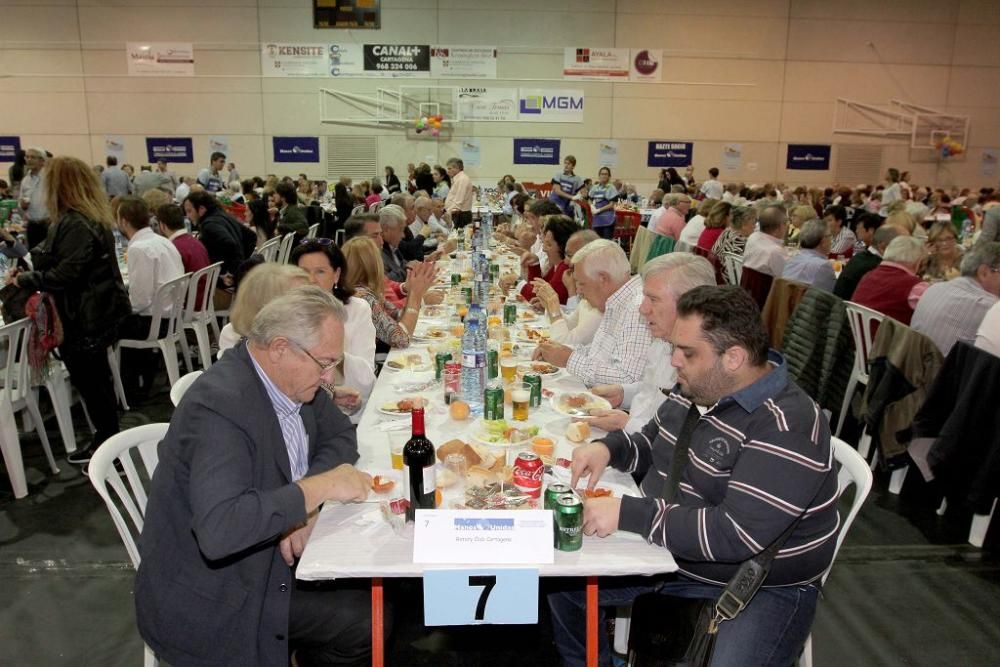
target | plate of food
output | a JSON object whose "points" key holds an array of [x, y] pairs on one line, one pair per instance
{"points": [[532, 335], [578, 403], [528, 316], [403, 406], [502, 433], [410, 362], [431, 333], [542, 368], [435, 312], [385, 484]]}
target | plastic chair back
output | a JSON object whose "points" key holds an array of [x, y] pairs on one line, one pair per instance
{"points": [[286, 248], [170, 294], [853, 470], [269, 249], [338, 237], [358, 210], [757, 283], [181, 386], [661, 245], [864, 323], [14, 341], [128, 496], [313, 230], [201, 289]]}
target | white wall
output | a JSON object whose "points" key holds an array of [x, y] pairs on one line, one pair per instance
{"points": [[764, 73]]}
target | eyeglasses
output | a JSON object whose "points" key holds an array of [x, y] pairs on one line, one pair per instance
{"points": [[322, 242], [324, 368]]}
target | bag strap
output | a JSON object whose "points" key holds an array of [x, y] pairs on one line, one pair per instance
{"points": [[751, 574]]}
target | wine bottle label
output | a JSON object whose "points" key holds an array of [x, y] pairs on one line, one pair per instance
{"points": [[406, 483], [430, 479]]}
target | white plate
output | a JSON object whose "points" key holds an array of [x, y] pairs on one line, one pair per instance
{"points": [[423, 368], [557, 428], [594, 403], [480, 436], [525, 367], [522, 336], [396, 413]]}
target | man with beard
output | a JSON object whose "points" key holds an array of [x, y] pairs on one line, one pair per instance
{"points": [[758, 459]]}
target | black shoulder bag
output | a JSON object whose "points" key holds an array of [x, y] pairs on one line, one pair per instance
{"points": [[673, 631]]}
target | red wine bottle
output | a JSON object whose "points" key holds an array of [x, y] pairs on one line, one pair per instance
{"points": [[418, 468]]}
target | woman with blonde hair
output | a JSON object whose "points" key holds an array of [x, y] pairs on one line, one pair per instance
{"points": [[715, 224], [798, 216], [366, 273], [77, 265], [945, 254]]}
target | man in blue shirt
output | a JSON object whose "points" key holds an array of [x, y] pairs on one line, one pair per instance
{"points": [[811, 265], [565, 186]]}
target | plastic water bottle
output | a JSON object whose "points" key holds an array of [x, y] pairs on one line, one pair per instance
{"points": [[967, 233], [473, 367]]}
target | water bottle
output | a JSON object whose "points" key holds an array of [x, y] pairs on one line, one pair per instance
{"points": [[473, 367], [967, 233]]}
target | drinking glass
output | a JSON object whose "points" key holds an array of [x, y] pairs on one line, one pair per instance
{"points": [[520, 400], [508, 368]]}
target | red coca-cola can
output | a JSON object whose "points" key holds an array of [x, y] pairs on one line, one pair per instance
{"points": [[528, 474]]}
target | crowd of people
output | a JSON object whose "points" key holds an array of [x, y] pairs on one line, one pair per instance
{"points": [[671, 350]]}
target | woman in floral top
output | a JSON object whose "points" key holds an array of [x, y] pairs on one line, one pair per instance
{"points": [[393, 325]]}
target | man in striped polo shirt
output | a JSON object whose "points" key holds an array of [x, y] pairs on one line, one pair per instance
{"points": [[759, 456]]}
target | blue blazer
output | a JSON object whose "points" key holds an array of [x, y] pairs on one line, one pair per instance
{"points": [[212, 588]]}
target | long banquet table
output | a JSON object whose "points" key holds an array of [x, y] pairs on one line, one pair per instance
{"points": [[352, 541]]}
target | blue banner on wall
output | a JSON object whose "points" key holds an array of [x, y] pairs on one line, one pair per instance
{"points": [[296, 149], [808, 156], [670, 154], [536, 151], [171, 149], [9, 146]]}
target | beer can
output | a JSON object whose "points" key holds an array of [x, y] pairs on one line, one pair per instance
{"points": [[492, 363], [456, 279], [440, 359], [528, 471], [535, 380], [494, 272], [510, 314], [569, 522], [553, 492], [493, 408], [467, 295]]}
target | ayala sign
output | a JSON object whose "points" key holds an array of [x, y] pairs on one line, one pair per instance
{"points": [[563, 107]]}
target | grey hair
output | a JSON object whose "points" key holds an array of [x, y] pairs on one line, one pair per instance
{"points": [[420, 202], [672, 199], [812, 234], [905, 250], [400, 199], [392, 215], [607, 255], [885, 234], [44, 154], [687, 271], [297, 315], [982, 254]]}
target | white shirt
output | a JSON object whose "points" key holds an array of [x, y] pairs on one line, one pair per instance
{"points": [[642, 398], [152, 261], [578, 327], [359, 332], [889, 195], [765, 253], [183, 190], [654, 218], [543, 259], [988, 336], [712, 189], [692, 230]]}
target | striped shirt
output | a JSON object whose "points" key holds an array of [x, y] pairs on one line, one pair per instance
{"points": [[617, 354], [757, 459], [292, 428], [952, 311]]}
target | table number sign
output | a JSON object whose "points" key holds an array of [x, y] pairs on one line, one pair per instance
{"points": [[479, 597], [471, 537]]}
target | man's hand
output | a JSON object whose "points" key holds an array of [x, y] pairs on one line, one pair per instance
{"points": [[600, 516], [347, 398], [590, 459], [608, 420], [294, 543], [613, 393], [347, 484], [554, 353]]}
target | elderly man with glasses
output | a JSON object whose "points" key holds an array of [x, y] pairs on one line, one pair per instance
{"points": [[252, 452], [671, 223]]}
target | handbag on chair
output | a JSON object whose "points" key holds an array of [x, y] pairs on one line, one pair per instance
{"points": [[674, 631]]}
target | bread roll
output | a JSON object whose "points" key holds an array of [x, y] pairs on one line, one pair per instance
{"points": [[457, 446], [578, 431]]}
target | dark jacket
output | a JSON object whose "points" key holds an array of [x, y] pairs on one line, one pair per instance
{"points": [[77, 264], [412, 246], [424, 181], [212, 587], [226, 240], [903, 365], [853, 272], [960, 411], [395, 268], [293, 220], [819, 348]]}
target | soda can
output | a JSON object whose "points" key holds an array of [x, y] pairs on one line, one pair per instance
{"points": [[528, 471], [510, 314], [440, 359], [456, 279], [492, 363], [569, 522], [493, 407], [553, 492], [467, 295], [535, 380]]}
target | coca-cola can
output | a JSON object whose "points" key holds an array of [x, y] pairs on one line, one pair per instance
{"points": [[528, 474]]}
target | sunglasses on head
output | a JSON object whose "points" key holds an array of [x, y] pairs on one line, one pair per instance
{"points": [[322, 242]]}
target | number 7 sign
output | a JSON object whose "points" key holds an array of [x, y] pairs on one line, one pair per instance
{"points": [[475, 597]]}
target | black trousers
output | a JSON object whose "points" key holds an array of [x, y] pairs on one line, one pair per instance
{"points": [[330, 623], [461, 219], [90, 374]]}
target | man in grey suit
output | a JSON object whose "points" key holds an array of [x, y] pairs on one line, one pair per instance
{"points": [[252, 452]]}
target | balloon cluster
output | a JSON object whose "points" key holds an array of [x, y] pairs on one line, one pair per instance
{"points": [[430, 123], [949, 147]]}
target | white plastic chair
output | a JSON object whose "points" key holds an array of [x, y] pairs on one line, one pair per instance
{"points": [[172, 293], [860, 319], [733, 265], [286, 248], [358, 210], [131, 499], [376, 207], [338, 237], [180, 387], [269, 249], [57, 383], [17, 395], [313, 231], [199, 314], [853, 470]]}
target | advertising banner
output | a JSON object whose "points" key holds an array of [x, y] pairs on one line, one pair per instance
{"points": [[171, 149], [284, 59], [607, 153], [813, 157], [296, 149], [398, 60], [463, 62], [536, 151], [9, 146], [732, 156], [471, 153], [669, 154], [347, 60], [218, 144], [595, 64], [547, 106], [115, 145], [160, 59], [487, 104], [647, 66], [988, 164]]}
